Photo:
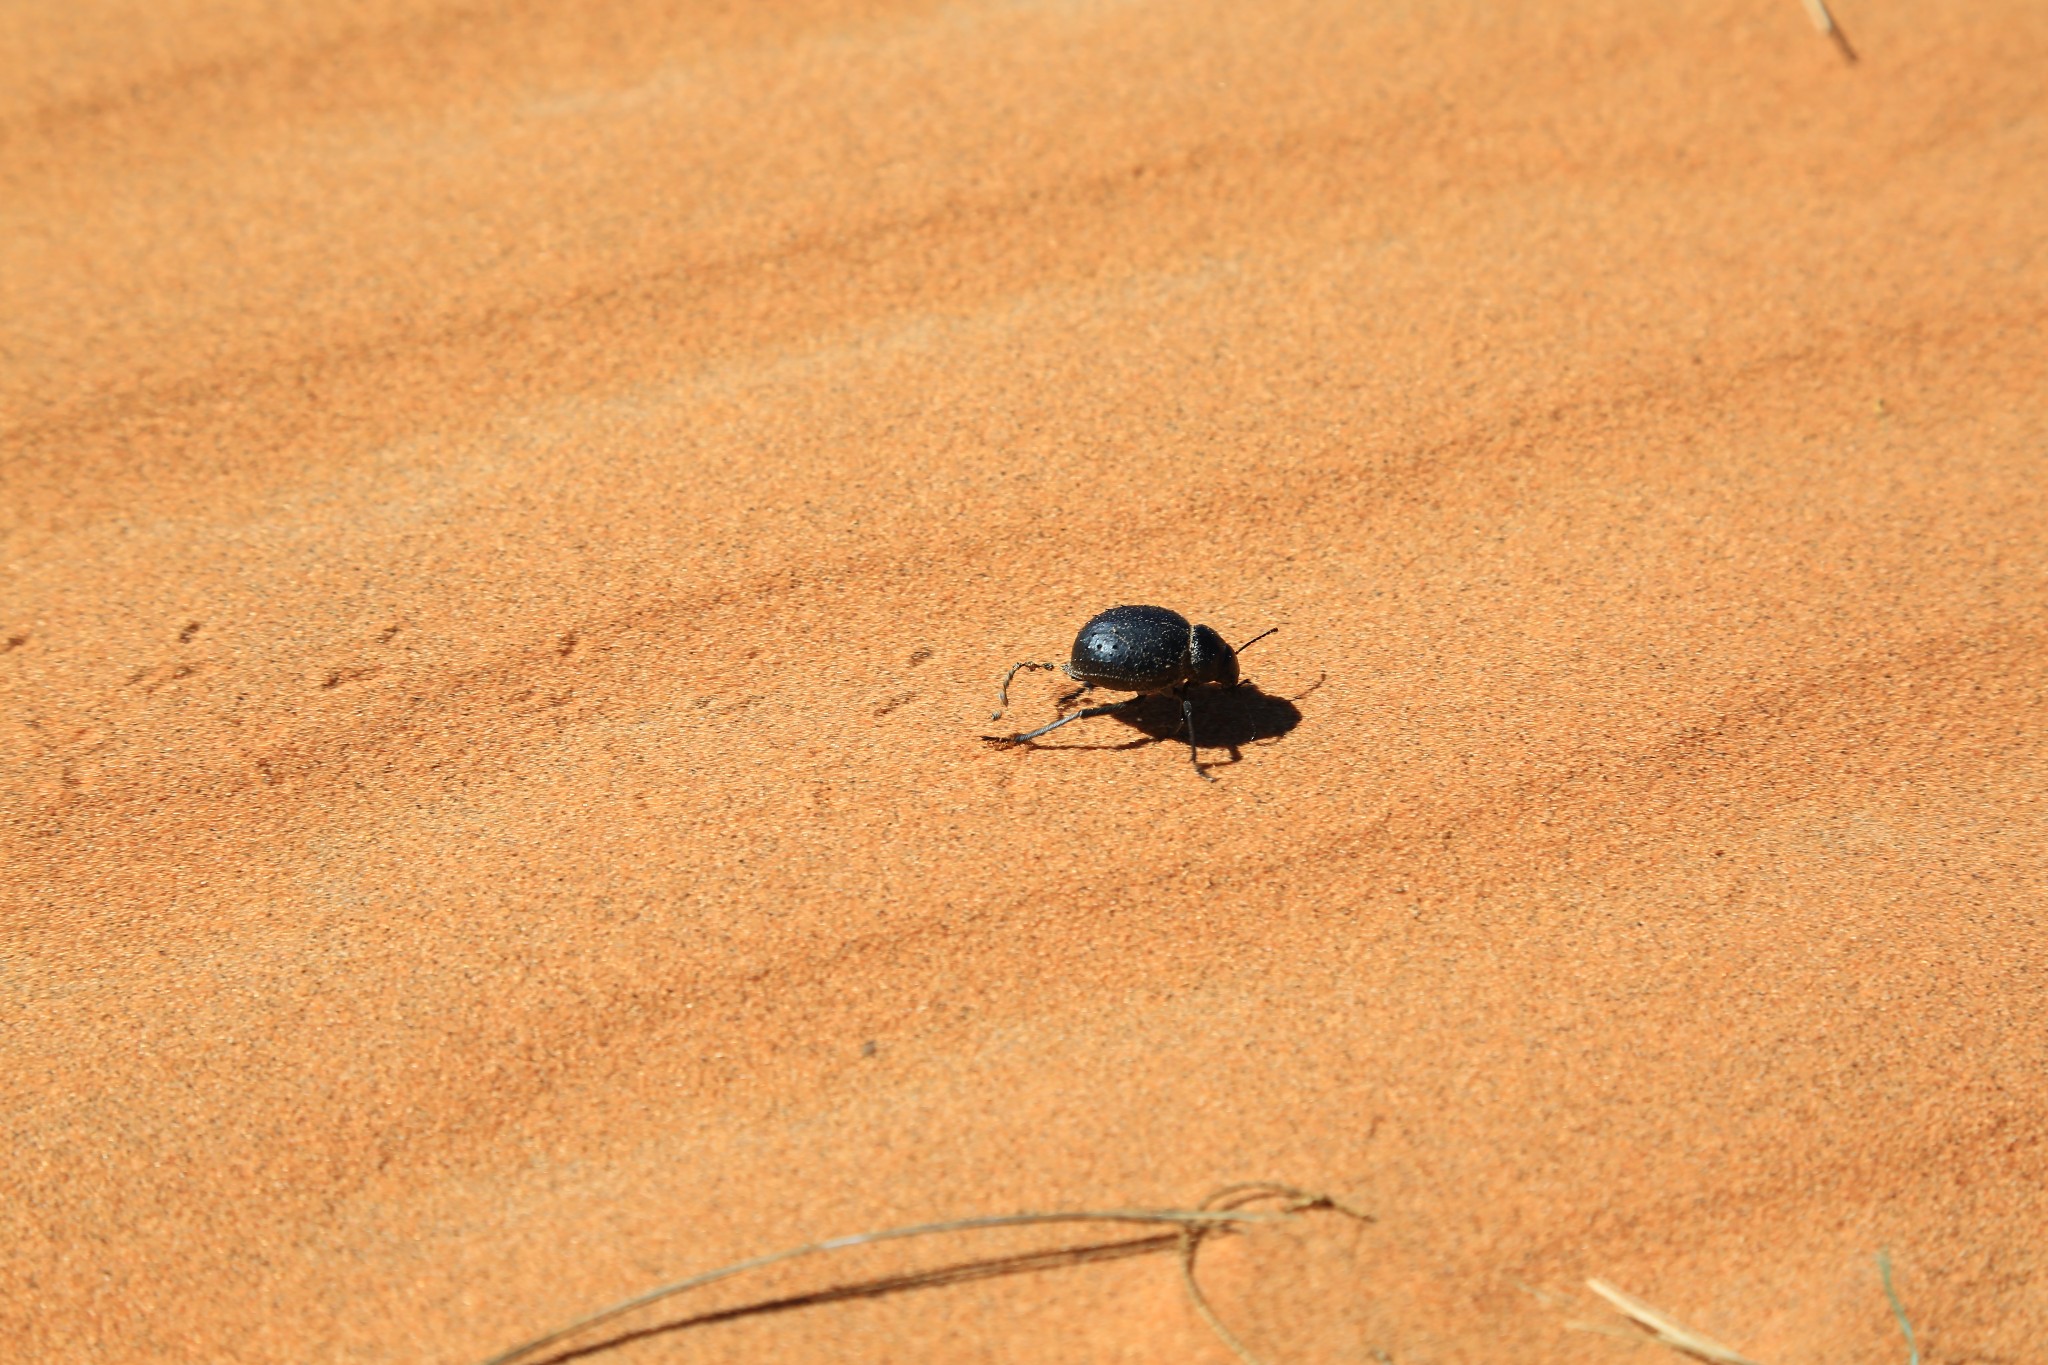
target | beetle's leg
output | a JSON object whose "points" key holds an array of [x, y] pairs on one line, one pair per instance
{"points": [[1003, 692], [1082, 690], [1187, 717], [1083, 714]]}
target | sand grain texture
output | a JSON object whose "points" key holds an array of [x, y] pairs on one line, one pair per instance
{"points": [[513, 518]]}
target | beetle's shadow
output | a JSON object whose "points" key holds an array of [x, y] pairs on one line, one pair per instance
{"points": [[1225, 718]]}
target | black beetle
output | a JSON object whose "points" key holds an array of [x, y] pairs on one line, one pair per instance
{"points": [[1146, 650]]}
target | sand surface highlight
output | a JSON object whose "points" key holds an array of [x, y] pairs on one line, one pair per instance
{"points": [[514, 516]]}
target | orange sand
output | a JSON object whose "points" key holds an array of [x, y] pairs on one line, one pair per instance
{"points": [[514, 516]]}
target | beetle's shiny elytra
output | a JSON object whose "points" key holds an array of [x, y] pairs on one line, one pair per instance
{"points": [[1146, 650], [1149, 649]]}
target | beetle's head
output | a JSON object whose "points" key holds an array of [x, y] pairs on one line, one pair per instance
{"points": [[1210, 660]]}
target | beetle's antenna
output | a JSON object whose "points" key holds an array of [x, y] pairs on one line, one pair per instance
{"points": [[1254, 640]]}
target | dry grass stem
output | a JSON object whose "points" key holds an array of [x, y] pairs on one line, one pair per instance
{"points": [[1607, 1329], [1884, 1274], [1817, 10], [1666, 1331], [1232, 1197], [1545, 1295], [1221, 1211]]}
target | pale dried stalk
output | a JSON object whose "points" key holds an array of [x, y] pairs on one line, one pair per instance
{"points": [[1666, 1331], [1817, 10]]}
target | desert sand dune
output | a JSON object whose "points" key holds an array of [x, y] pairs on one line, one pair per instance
{"points": [[514, 517]]}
